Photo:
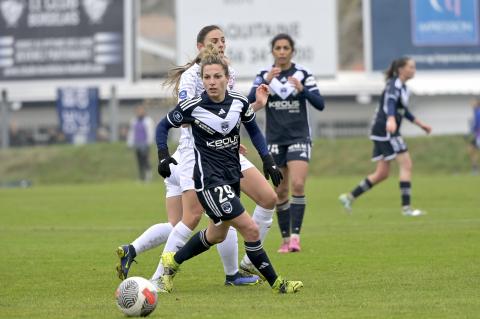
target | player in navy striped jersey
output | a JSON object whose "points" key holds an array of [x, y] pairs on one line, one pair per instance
{"points": [[214, 120], [386, 137], [292, 88]]}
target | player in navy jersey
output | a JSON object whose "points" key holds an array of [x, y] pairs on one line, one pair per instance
{"points": [[388, 143], [214, 119], [474, 145], [183, 208], [292, 87]]}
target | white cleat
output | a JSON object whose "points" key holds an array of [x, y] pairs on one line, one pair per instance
{"points": [[346, 202], [412, 212]]}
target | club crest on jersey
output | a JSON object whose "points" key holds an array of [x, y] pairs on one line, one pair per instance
{"points": [[225, 127], [182, 95], [227, 207], [177, 116], [258, 80]]}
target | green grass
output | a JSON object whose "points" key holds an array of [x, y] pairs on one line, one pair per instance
{"points": [[100, 163], [58, 260]]}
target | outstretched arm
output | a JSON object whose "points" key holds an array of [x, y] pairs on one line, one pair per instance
{"points": [[409, 116]]}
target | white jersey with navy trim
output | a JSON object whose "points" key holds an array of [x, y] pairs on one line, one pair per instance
{"points": [[396, 90], [191, 86], [215, 129], [286, 111]]}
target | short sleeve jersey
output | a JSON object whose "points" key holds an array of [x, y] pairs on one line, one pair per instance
{"points": [[397, 91], [287, 118], [215, 129]]}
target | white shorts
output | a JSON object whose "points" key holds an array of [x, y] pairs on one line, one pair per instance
{"points": [[181, 179]]}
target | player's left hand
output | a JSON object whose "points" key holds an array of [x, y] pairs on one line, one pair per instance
{"points": [[270, 169], [427, 128], [261, 97], [296, 83]]}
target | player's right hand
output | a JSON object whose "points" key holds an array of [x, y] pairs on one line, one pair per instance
{"points": [[164, 161]]}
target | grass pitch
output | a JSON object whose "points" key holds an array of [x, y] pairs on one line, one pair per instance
{"points": [[58, 257]]}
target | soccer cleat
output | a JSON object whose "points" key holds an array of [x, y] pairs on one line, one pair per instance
{"points": [[284, 248], [170, 268], [294, 245], [283, 286], [127, 255], [243, 280], [158, 284], [408, 211], [249, 269], [346, 202]]}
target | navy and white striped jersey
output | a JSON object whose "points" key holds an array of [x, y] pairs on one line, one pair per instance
{"points": [[394, 101], [191, 86], [286, 110], [215, 128]]}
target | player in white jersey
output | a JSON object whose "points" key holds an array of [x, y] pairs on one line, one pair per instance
{"points": [[181, 197]]}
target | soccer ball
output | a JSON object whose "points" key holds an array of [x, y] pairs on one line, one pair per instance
{"points": [[136, 297]]}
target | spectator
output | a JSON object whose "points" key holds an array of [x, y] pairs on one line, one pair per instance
{"points": [[140, 137]]}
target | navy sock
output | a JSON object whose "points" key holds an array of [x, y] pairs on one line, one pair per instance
{"points": [[259, 259], [362, 187], [405, 190], [297, 210], [283, 213], [194, 246]]}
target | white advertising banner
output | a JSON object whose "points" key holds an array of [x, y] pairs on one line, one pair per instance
{"points": [[249, 26]]}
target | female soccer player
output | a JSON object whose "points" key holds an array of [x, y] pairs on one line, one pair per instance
{"points": [[288, 133], [385, 134], [181, 198], [214, 118]]}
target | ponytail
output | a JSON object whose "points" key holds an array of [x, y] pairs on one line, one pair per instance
{"points": [[392, 70]]}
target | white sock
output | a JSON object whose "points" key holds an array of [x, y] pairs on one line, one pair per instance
{"points": [[228, 250], [264, 218], [176, 240], [152, 237]]}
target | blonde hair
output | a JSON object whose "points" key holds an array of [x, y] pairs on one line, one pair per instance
{"points": [[210, 56]]}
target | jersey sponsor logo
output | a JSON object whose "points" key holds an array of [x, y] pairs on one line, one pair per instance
{"points": [[177, 116], [227, 207], [310, 81], [204, 127], [258, 80], [182, 95], [290, 106], [224, 142]]}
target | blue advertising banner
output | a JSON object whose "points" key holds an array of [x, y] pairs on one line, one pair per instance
{"points": [[453, 22], [78, 113], [438, 34]]}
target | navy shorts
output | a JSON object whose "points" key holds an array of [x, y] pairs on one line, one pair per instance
{"points": [[221, 202], [388, 150], [290, 152]]}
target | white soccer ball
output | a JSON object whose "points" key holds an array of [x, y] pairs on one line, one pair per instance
{"points": [[136, 297]]}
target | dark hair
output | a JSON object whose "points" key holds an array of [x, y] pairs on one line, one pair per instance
{"points": [[283, 36], [392, 70], [174, 74], [211, 56]]}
